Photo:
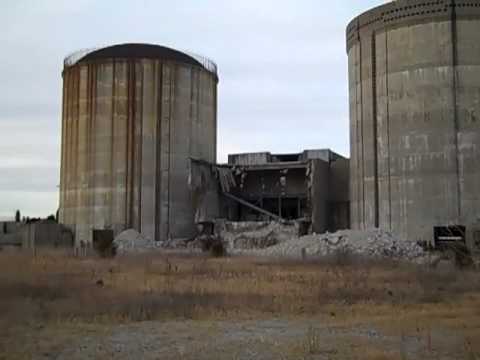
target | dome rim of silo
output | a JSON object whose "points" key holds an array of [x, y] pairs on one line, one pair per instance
{"points": [[138, 51], [366, 12], [353, 26], [390, 15]]}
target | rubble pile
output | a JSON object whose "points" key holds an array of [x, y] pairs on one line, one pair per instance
{"points": [[254, 235], [131, 241], [371, 243], [273, 239]]}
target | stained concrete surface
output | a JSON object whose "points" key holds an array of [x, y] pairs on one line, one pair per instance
{"points": [[414, 101], [129, 126]]}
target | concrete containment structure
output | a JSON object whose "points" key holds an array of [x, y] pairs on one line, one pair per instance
{"points": [[414, 80], [133, 114]]}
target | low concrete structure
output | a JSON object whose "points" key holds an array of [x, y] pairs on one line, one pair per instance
{"points": [[311, 186], [9, 234], [45, 234], [9, 227]]}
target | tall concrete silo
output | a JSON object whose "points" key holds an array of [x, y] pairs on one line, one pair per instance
{"points": [[414, 83], [133, 114]]}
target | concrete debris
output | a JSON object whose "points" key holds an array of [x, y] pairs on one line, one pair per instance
{"points": [[273, 239], [372, 243], [131, 241], [226, 179], [176, 244], [254, 235]]}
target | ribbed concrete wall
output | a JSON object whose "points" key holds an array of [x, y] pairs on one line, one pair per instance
{"points": [[129, 127], [414, 82]]}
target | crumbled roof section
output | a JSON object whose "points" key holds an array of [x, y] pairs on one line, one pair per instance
{"points": [[140, 51]]}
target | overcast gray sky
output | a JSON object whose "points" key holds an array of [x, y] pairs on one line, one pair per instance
{"points": [[282, 67]]}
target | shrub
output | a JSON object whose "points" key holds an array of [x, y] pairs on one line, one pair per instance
{"points": [[105, 248], [218, 249]]}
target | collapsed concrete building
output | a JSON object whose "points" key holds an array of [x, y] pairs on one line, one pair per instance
{"points": [[415, 133], [311, 187], [133, 116]]}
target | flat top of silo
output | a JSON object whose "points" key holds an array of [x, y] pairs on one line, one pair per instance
{"points": [[140, 51]]}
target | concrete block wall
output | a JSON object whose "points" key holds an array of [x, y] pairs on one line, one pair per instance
{"points": [[45, 234], [250, 158]]}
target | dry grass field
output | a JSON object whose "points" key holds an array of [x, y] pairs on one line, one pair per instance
{"points": [[336, 308]]}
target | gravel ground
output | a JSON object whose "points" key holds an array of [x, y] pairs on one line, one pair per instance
{"points": [[265, 339]]}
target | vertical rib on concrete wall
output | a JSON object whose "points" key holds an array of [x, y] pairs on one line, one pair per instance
{"points": [[165, 152], [367, 138], [382, 139], [119, 149], [352, 83], [82, 152], [356, 152], [137, 149], [148, 149], [129, 127], [468, 104], [62, 204]]}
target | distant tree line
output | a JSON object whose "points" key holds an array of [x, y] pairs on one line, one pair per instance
{"points": [[28, 220]]}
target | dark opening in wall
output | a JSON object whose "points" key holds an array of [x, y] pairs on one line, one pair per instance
{"points": [[271, 205], [476, 239], [290, 208], [444, 235], [286, 158]]}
